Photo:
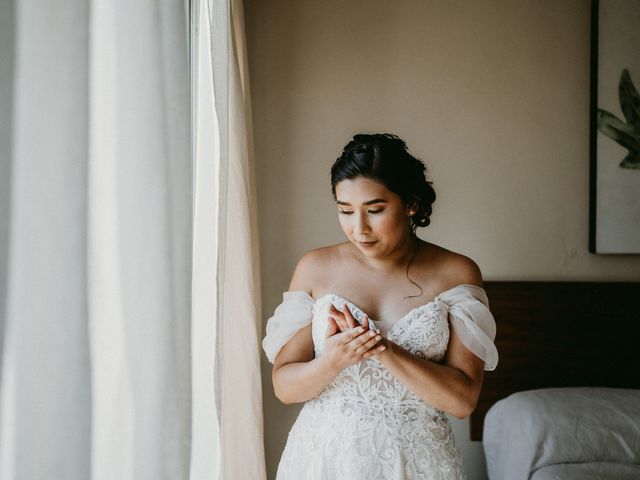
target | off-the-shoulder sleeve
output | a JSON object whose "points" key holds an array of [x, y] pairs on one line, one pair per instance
{"points": [[468, 308], [295, 312]]}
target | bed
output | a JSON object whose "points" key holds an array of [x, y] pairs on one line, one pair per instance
{"points": [[564, 401]]}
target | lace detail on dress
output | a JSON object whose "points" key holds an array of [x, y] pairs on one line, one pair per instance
{"points": [[366, 424]]}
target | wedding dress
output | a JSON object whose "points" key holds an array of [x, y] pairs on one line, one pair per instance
{"points": [[366, 424]]}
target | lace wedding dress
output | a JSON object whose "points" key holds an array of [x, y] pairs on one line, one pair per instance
{"points": [[366, 424]]}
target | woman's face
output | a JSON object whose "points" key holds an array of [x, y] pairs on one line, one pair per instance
{"points": [[373, 218]]}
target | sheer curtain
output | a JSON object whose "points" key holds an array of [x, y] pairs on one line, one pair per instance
{"points": [[114, 363], [225, 216]]}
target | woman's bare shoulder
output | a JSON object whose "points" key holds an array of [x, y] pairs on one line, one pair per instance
{"points": [[454, 268], [314, 265]]}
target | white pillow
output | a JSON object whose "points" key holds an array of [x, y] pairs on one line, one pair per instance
{"points": [[533, 429]]}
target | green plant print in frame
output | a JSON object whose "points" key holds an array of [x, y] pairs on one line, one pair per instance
{"points": [[625, 134]]}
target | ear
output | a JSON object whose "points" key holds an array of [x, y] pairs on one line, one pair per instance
{"points": [[412, 208]]}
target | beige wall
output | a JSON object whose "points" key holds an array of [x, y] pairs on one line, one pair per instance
{"points": [[492, 95]]}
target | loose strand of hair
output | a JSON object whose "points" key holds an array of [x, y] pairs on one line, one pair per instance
{"points": [[415, 251]]}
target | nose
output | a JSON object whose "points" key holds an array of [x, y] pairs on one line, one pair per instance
{"points": [[361, 225]]}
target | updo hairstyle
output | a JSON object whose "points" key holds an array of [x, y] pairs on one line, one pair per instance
{"points": [[384, 157]]}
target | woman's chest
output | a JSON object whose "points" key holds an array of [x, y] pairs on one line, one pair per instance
{"points": [[423, 331], [385, 296]]}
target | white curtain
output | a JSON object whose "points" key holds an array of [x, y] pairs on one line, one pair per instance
{"points": [[222, 131], [110, 366]]}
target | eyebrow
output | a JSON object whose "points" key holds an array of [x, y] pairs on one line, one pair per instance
{"points": [[368, 202]]}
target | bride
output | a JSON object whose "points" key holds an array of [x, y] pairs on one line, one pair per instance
{"points": [[381, 335]]}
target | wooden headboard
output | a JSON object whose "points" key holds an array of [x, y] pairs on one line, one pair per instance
{"points": [[561, 334]]}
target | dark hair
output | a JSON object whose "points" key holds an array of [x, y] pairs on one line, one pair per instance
{"points": [[384, 157]]}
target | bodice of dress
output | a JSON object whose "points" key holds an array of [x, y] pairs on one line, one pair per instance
{"points": [[423, 331], [466, 306]]}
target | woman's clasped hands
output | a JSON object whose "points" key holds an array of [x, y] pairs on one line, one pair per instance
{"points": [[347, 342]]}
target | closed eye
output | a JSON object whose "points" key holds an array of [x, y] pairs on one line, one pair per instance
{"points": [[344, 212]]}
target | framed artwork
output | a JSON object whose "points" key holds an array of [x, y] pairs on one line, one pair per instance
{"points": [[614, 203]]}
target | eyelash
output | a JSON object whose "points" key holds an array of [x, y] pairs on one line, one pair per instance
{"points": [[370, 211]]}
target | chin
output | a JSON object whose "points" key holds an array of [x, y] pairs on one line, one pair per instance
{"points": [[373, 251]]}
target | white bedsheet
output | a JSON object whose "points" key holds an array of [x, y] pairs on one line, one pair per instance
{"points": [[528, 431]]}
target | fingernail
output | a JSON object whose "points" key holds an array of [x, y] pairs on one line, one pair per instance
{"points": [[360, 329]]}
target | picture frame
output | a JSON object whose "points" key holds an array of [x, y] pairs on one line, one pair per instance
{"points": [[614, 183]]}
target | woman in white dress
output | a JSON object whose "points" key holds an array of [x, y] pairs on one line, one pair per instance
{"points": [[381, 335]]}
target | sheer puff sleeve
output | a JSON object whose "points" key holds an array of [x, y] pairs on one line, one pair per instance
{"points": [[294, 313], [468, 307]]}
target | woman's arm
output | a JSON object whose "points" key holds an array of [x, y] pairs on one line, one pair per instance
{"points": [[297, 379], [297, 376], [453, 386]]}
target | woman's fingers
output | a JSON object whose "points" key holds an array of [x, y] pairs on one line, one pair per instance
{"points": [[338, 316], [344, 318], [342, 325], [349, 317], [368, 345], [350, 334], [364, 341], [371, 352], [332, 327], [356, 344]]}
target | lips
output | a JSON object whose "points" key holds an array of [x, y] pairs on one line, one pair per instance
{"points": [[367, 244]]}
